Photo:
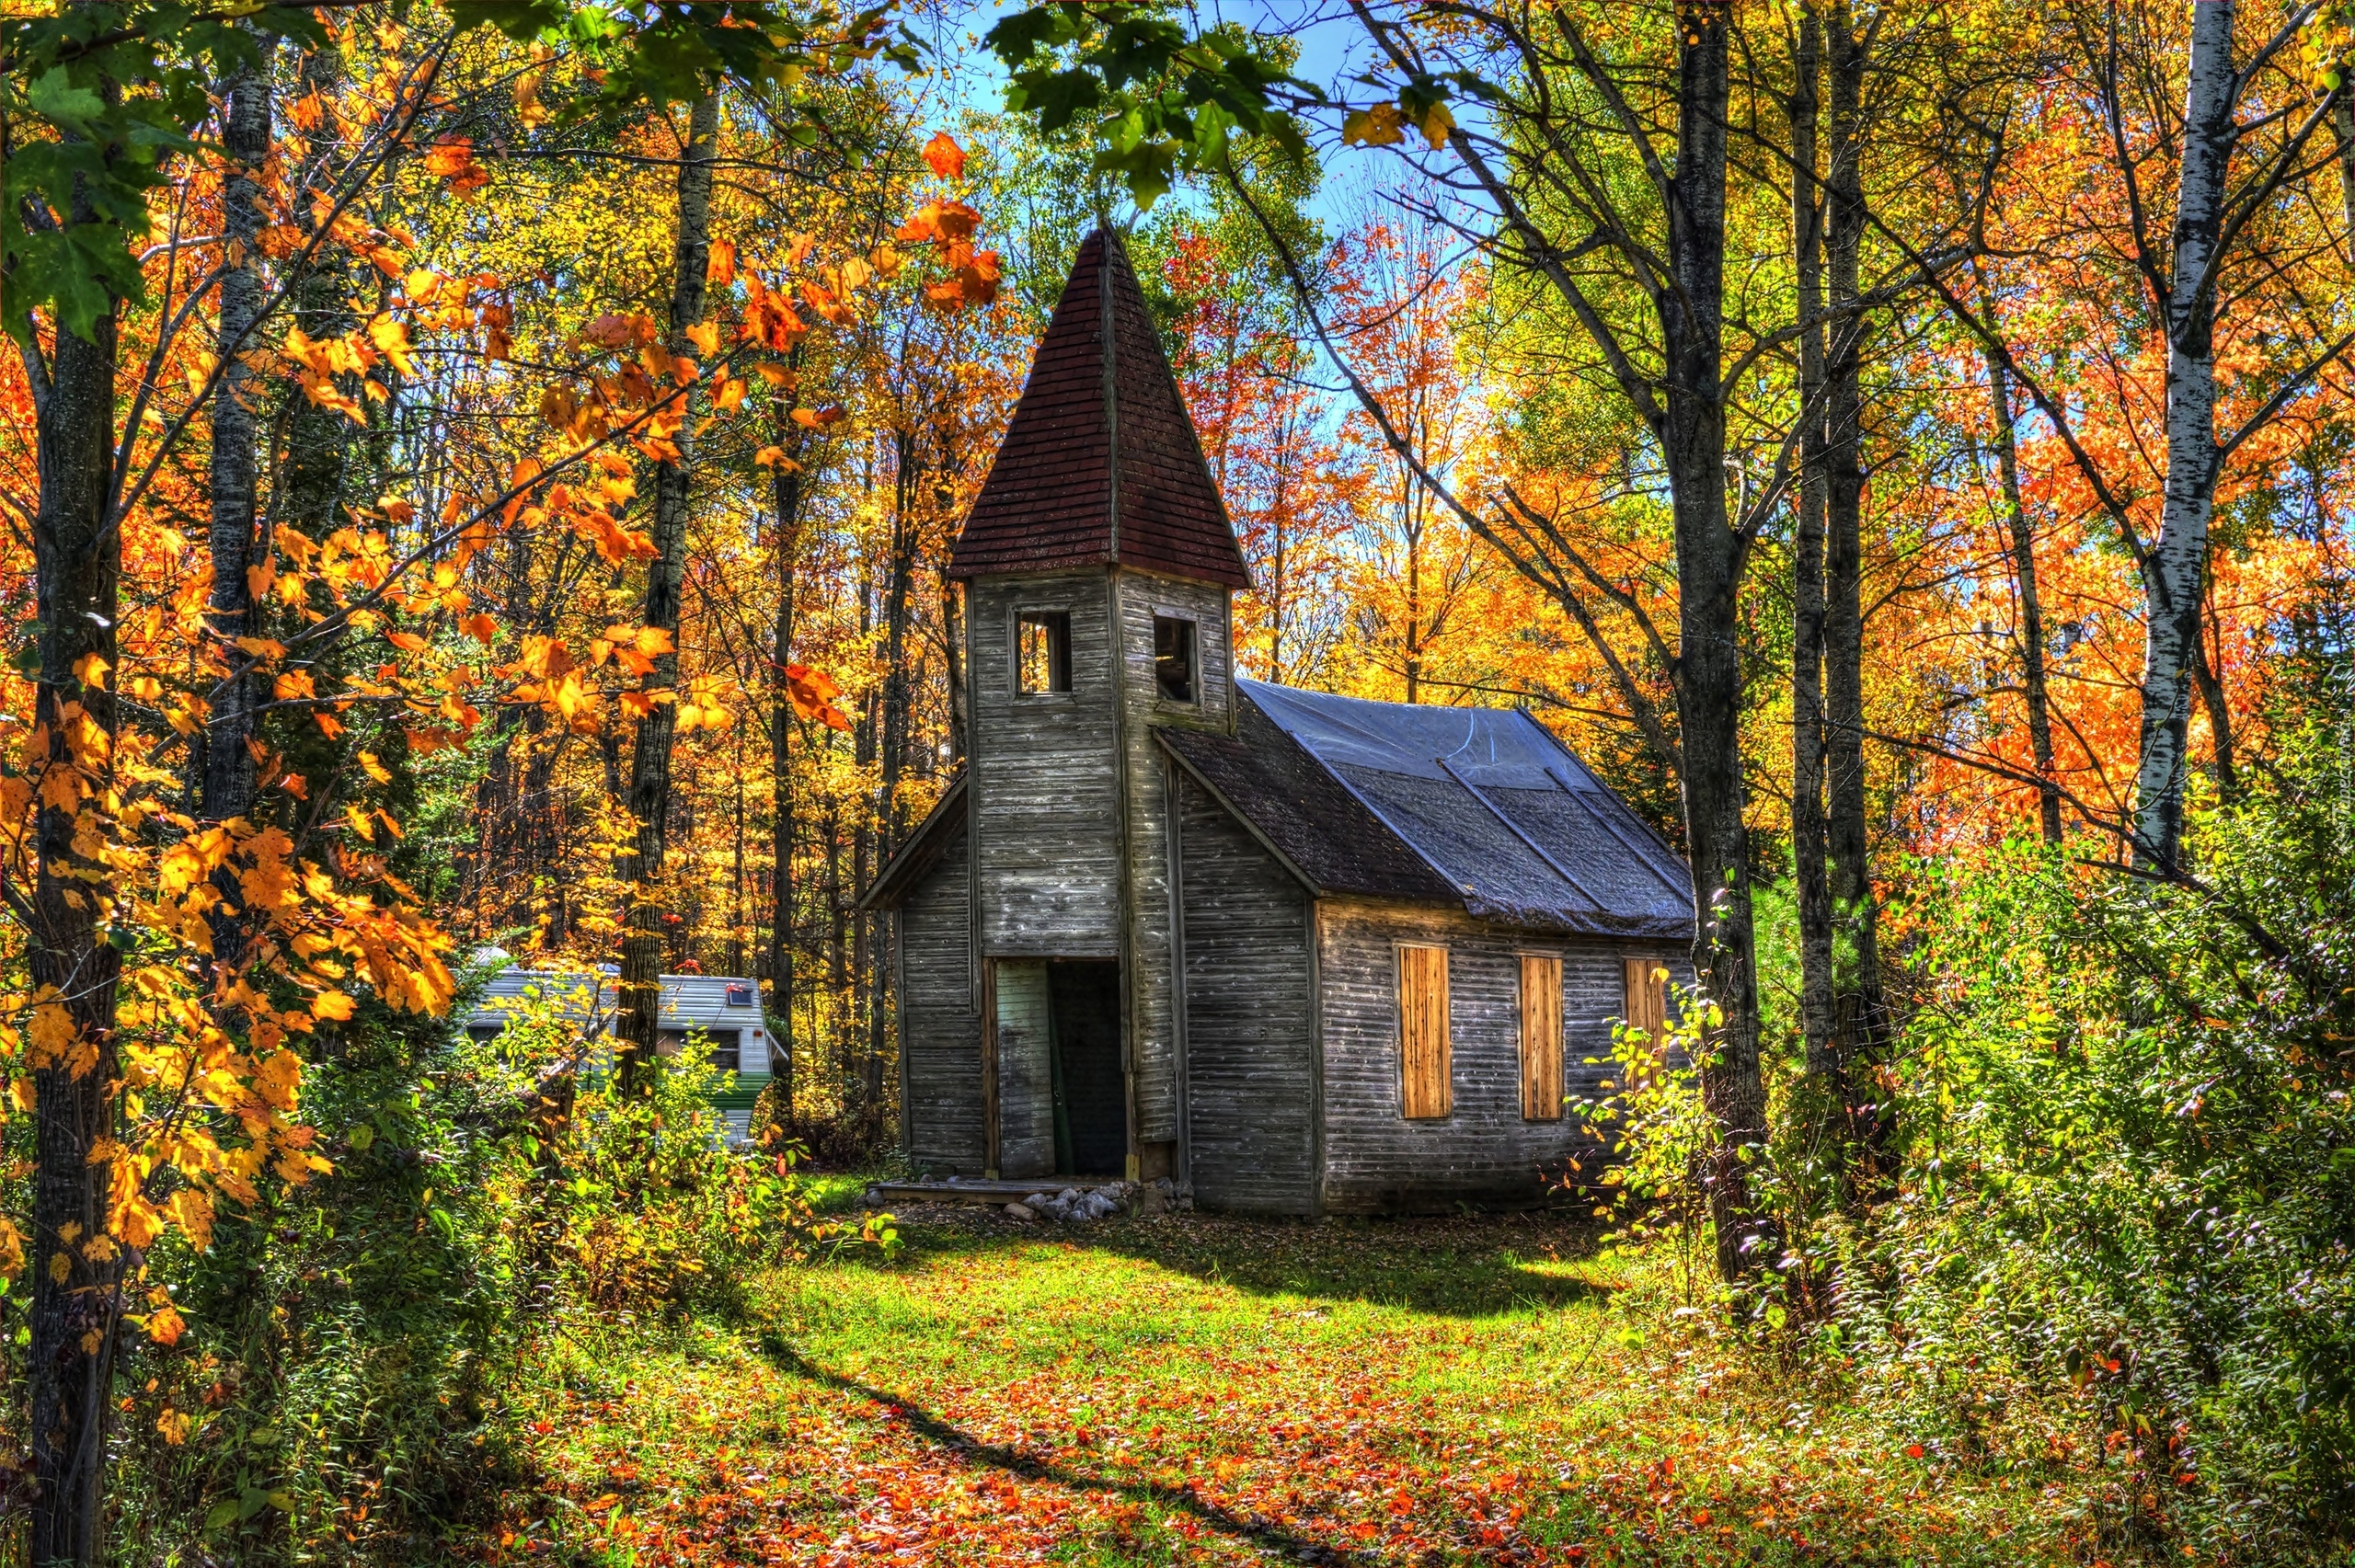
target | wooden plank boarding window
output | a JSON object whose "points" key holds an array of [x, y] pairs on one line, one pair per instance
{"points": [[1426, 1090], [1647, 1000], [1541, 1038]]}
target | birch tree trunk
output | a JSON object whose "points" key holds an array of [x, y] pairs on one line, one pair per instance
{"points": [[1709, 558], [649, 782], [1808, 829], [2176, 566], [2002, 415]]}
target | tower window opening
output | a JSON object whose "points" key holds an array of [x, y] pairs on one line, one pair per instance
{"points": [[1041, 654], [1173, 659]]}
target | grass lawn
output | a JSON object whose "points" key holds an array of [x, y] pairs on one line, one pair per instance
{"points": [[1191, 1389]]}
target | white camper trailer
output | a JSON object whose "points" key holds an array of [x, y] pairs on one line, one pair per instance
{"points": [[727, 1008]]}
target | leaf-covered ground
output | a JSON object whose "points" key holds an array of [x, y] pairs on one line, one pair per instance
{"points": [[1199, 1389]]}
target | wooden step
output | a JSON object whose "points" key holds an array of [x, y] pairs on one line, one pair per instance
{"points": [[997, 1193]]}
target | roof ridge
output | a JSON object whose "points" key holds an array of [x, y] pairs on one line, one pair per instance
{"points": [[1110, 341]]}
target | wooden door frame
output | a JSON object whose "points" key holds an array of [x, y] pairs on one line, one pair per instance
{"points": [[989, 1069]]}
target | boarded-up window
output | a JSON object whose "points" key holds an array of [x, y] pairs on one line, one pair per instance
{"points": [[1541, 1038], [1424, 1089], [1648, 999]]}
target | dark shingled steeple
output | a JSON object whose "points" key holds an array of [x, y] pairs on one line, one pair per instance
{"points": [[1100, 463]]}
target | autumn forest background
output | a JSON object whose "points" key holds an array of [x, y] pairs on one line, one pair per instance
{"points": [[482, 474]]}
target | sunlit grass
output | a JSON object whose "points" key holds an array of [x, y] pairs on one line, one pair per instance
{"points": [[1192, 1388]]}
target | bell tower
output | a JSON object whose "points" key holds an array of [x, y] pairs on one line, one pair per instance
{"points": [[1098, 565]]}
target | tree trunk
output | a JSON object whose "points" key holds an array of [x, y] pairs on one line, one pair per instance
{"points": [[229, 771], [649, 783], [1414, 644], [787, 495], [75, 1306], [1709, 558], [737, 924], [1857, 1011], [952, 637], [837, 937], [313, 475], [2208, 673], [2023, 540], [2176, 566], [898, 595], [1808, 831]]}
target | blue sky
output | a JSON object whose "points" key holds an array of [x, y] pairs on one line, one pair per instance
{"points": [[1332, 48]]}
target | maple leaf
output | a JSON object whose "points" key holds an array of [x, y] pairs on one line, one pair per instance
{"points": [[52, 1030], [812, 693], [1380, 126], [612, 331], [827, 307], [392, 337], [453, 158], [944, 156]]}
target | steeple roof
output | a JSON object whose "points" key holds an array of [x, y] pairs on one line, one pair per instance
{"points": [[1100, 463]]}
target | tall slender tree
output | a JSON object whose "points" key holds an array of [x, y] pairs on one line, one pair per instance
{"points": [[1859, 1022], [1809, 832], [642, 868], [2003, 413]]}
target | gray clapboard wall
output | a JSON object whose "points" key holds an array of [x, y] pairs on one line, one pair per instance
{"points": [[1250, 1070], [1046, 789], [1143, 597], [940, 1033], [1484, 1150]]}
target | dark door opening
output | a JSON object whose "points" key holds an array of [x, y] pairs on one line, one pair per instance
{"points": [[1091, 1095]]}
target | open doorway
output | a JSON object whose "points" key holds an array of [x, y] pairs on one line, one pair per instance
{"points": [[1090, 1094]]}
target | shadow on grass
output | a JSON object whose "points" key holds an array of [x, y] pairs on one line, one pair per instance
{"points": [[1476, 1268], [1013, 1461]]}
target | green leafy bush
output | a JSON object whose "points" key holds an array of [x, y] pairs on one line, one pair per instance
{"points": [[1658, 1136], [354, 1345], [2125, 1228]]}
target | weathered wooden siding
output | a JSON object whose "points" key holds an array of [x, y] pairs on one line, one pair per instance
{"points": [[1046, 787], [1151, 1019], [941, 1035], [1484, 1150], [1026, 1114], [1250, 1072]]}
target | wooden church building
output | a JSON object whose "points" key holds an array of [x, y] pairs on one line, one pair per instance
{"points": [[1308, 952]]}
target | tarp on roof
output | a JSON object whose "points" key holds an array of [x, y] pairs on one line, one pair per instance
{"points": [[1521, 830]]}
